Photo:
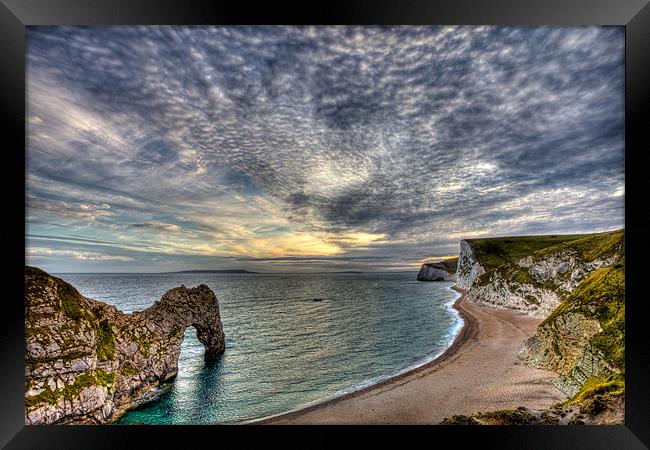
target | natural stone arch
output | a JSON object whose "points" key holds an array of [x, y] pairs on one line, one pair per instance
{"points": [[182, 307], [107, 358], [211, 340]]}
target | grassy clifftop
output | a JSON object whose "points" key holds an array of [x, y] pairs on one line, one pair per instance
{"points": [[450, 264], [584, 248], [495, 252]]}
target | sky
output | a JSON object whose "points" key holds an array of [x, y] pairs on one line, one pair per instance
{"points": [[300, 149]]}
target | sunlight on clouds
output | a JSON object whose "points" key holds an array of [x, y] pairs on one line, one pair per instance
{"points": [[295, 244], [358, 239], [330, 177], [467, 234], [451, 187], [36, 252]]}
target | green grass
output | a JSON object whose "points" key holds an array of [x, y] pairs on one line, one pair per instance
{"points": [[449, 264], [128, 370], [105, 378], [495, 252], [596, 246], [460, 420], [70, 300], [69, 296], [105, 341], [596, 395], [612, 385]]}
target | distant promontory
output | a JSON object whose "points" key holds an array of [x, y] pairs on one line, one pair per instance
{"points": [[215, 271], [444, 270]]}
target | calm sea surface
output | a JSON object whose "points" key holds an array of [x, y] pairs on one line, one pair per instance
{"points": [[283, 350]]}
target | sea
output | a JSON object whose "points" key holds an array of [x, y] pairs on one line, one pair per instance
{"points": [[292, 340]]}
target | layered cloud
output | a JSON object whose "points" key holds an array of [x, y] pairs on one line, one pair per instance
{"points": [[318, 147]]}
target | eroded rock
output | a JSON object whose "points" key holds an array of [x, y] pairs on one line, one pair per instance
{"points": [[86, 361]]}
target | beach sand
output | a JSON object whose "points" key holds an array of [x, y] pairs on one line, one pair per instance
{"points": [[480, 372]]}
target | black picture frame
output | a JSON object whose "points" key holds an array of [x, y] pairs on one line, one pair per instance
{"points": [[15, 15]]}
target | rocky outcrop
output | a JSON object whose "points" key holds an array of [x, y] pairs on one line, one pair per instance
{"points": [[564, 347], [87, 362], [431, 273], [469, 268], [439, 271], [594, 409]]}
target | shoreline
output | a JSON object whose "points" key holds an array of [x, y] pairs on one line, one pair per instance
{"points": [[488, 374], [468, 328]]}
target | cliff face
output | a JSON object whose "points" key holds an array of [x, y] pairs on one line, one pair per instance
{"points": [[431, 273], [86, 362], [478, 256], [441, 271], [537, 283], [578, 286], [469, 268], [584, 338]]}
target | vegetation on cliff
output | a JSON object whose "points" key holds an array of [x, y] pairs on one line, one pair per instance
{"points": [[540, 281], [599, 402], [495, 252], [86, 361], [449, 264], [584, 336], [601, 296]]}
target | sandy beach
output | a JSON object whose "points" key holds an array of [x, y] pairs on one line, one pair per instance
{"points": [[479, 372]]}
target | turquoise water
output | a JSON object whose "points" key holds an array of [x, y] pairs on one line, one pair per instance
{"points": [[283, 350]]}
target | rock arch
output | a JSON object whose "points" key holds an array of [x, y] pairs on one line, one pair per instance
{"points": [[87, 361]]}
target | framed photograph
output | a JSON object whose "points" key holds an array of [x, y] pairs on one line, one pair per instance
{"points": [[368, 216]]}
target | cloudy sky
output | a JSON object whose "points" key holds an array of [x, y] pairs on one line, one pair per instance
{"points": [[315, 148]]}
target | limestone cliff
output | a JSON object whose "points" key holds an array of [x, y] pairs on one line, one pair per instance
{"points": [[578, 287], [87, 362], [537, 282], [469, 268], [478, 256], [439, 271]]}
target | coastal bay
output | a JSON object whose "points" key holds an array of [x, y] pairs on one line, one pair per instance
{"points": [[325, 225], [479, 372], [542, 342], [283, 349], [378, 348]]}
